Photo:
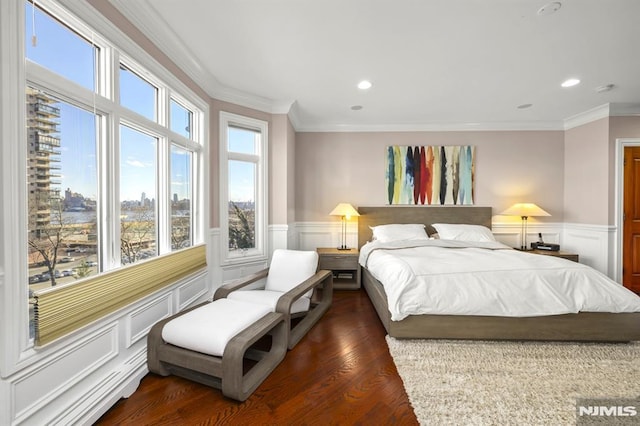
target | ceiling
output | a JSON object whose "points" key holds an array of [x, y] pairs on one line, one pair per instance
{"points": [[434, 64]]}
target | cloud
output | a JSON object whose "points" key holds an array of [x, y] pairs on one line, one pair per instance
{"points": [[136, 163]]}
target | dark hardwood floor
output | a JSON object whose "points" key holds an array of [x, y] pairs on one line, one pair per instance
{"points": [[340, 373]]}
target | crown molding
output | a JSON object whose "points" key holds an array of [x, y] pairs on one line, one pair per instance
{"points": [[625, 109], [143, 16], [588, 116], [435, 127], [294, 116], [607, 110]]}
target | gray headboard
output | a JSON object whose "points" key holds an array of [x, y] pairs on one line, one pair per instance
{"points": [[372, 216]]}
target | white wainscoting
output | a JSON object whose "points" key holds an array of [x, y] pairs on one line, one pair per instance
{"points": [[510, 233], [77, 378], [311, 235], [593, 243]]}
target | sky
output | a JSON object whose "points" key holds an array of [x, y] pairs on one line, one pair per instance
{"points": [[64, 52]]}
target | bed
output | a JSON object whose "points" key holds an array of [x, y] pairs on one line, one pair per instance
{"points": [[581, 326]]}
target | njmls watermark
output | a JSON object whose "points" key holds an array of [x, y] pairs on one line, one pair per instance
{"points": [[607, 411]]}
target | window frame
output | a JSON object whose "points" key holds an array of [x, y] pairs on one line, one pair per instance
{"points": [[17, 73], [260, 158]]}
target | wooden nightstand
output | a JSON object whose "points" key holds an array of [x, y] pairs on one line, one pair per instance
{"points": [[343, 264], [563, 254]]}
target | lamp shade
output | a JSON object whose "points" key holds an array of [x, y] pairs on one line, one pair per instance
{"points": [[525, 210], [344, 209]]}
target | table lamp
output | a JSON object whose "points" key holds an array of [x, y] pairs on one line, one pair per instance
{"points": [[524, 210], [345, 210]]}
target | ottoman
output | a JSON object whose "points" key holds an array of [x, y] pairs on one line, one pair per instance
{"points": [[210, 343]]}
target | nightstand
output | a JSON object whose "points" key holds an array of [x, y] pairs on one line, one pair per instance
{"points": [[343, 264], [563, 254]]}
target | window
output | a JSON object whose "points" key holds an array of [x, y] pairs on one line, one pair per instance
{"points": [[181, 119], [114, 154], [243, 145], [137, 195], [181, 214], [53, 45], [137, 94], [62, 188]]}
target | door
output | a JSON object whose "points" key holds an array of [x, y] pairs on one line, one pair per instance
{"points": [[631, 224]]}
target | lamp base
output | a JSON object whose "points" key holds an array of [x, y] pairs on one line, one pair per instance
{"points": [[344, 248]]}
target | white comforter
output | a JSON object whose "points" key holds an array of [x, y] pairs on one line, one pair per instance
{"points": [[460, 278]]}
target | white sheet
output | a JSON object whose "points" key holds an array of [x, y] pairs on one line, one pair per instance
{"points": [[458, 278]]}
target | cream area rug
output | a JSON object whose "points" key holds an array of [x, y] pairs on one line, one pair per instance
{"points": [[453, 382]]}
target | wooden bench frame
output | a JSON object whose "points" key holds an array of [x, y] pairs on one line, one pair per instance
{"points": [[321, 283], [227, 372]]}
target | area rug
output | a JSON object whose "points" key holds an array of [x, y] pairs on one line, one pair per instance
{"points": [[507, 383]]}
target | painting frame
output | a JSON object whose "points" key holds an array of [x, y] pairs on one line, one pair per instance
{"points": [[430, 174]]}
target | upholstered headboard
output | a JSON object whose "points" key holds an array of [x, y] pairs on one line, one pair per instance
{"points": [[372, 216]]}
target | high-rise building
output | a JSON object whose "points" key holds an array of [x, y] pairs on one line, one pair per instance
{"points": [[43, 159]]}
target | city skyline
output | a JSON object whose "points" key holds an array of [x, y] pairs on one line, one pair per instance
{"points": [[175, 198]]}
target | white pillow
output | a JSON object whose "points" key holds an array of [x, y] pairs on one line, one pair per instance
{"points": [[474, 233], [399, 232]]}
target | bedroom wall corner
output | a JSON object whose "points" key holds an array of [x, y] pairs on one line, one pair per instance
{"points": [[586, 173], [594, 244]]}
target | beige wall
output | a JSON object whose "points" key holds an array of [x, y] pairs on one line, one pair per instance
{"points": [[586, 171], [281, 168], [511, 166], [590, 168], [291, 176]]}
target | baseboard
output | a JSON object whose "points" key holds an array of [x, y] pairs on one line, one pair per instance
{"points": [[121, 384]]}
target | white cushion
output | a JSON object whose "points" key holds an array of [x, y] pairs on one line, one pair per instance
{"points": [[270, 299], [464, 232], [399, 232], [209, 328], [289, 268]]}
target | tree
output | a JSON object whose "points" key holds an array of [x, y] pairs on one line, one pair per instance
{"points": [[241, 231], [48, 238], [180, 232], [83, 270], [136, 234]]}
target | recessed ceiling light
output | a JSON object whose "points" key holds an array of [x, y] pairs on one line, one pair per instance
{"points": [[524, 106], [364, 85], [356, 107], [549, 8], [570, 82]]}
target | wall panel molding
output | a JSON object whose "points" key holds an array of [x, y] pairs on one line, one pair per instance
{"points": [[80, 376], [593, 243], [311, 235], [139, 322], [40, 385]]}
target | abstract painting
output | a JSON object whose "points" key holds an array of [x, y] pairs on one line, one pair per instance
{"points": [[430, 174]]}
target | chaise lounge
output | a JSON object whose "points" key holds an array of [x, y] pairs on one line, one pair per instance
{"points": [[235, 341], [290, 286]]}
